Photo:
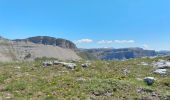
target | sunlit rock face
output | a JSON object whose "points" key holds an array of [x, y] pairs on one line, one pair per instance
{"points": [[46, 40], [19, 50]]}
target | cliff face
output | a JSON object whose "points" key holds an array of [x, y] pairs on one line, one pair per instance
{"points": [[30, 51], [35, 47], [65, 44], [124, 53], [46, 40], [44, 46]]}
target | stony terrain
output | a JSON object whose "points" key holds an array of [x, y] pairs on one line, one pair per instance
{"points": [[48, 79]]}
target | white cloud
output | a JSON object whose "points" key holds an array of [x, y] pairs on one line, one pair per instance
{"points": [[83, 41], [124, 41], [105, 42], [115, 41]]}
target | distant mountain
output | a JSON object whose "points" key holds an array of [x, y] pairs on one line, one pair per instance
{"points": [[46, 40], [112, 54], [45, 46], [163, 52], [37, 47]]}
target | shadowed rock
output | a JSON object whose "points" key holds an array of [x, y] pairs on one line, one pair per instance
{"points": [[85, 65], [149, 80]]}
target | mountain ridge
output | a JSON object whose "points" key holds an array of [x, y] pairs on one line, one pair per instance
{"points": [[118, 54], [25, 50], [47, 40], [46, 46]]}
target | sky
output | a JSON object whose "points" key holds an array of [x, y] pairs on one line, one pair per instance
{"points": [[90, 23]]}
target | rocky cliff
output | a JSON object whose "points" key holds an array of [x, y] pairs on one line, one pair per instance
{"points": [[124, 53], [46, 40], [37, 47]]}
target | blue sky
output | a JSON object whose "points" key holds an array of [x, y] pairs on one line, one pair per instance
{"points": [[90, 23]]}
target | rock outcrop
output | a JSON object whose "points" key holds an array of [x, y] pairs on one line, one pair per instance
{"points": [[162, 64], [161, 67], [162, 72], [46, 40]]}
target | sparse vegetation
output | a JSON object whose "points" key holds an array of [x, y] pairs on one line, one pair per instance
{"points": [[102, 80]]}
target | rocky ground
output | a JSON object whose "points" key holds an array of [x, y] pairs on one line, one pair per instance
{"points": [[44, 79]]}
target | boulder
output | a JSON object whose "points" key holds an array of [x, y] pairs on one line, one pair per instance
{"points": [[67, 65], [47, 63], [70, 65], [161, 64], [160, 71], [56, 62], [149, 80], [85, 65]]}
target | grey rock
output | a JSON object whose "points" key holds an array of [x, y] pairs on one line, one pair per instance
{"points": [[108, 94], [67, 65], [161, 64], [85, 65], [56, 62], [47, 63], [149, 80], [70, 65], [161, 71]]}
